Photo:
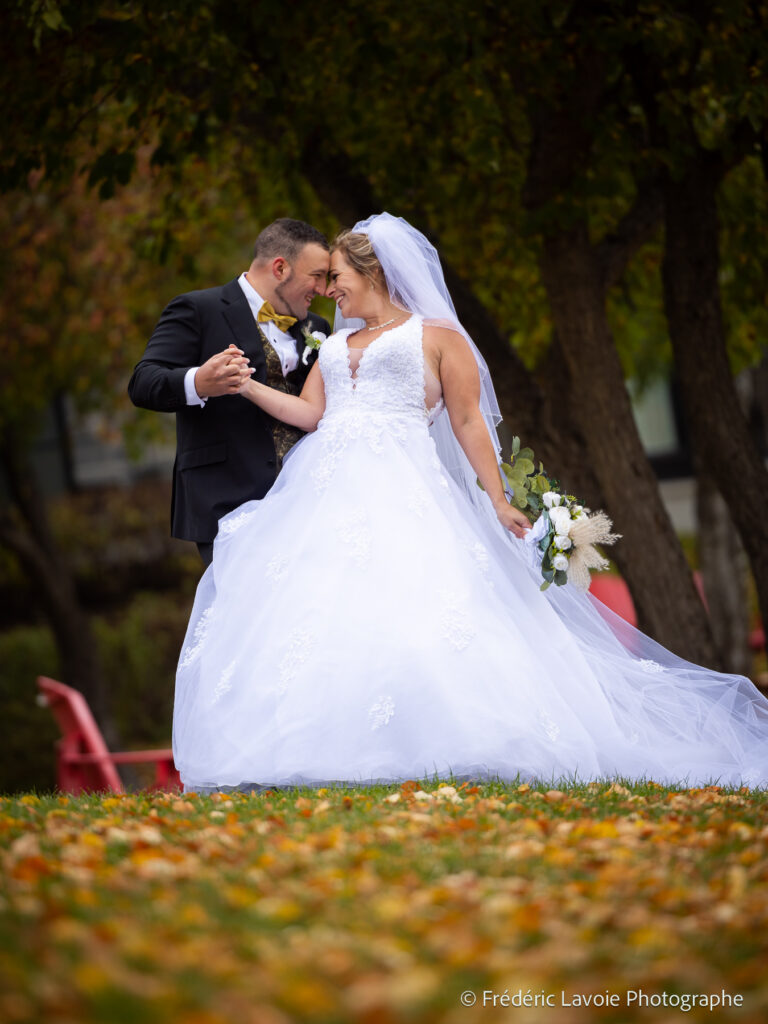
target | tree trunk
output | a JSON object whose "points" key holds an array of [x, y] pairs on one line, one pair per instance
{"points": [[577, 274], [649, 553], [35, 547], [724, 571], [719, 431]]}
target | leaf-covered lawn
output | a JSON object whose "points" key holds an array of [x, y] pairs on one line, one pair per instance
{"points": [[386, 904]]}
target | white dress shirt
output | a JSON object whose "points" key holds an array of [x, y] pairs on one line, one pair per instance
{"points": [[282, 342]]}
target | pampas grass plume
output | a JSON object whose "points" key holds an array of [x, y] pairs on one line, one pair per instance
{"points": [[585, 533]]}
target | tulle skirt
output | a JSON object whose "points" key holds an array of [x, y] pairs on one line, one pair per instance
{"points": [[362, 623]]}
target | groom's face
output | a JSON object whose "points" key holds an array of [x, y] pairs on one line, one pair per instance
{"points": [[301, 281]]}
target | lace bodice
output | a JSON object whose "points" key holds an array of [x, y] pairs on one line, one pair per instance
{"points": [[389, 379], [384, 397]]}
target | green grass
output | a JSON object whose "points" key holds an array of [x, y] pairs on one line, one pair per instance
{"points": [[383, 904]]}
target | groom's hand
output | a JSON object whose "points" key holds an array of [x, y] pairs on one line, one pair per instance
{"points": [[223, 374]]}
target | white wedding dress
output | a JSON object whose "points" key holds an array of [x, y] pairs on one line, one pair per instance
{"points": [[363, 623]]}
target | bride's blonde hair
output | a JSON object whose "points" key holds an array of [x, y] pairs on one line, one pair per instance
{"points": [[358, 252]]}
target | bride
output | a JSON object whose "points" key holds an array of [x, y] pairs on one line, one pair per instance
{"points": [[377, 617]]}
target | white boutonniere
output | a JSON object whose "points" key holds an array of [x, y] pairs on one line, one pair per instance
{"points": [[313, 340]]}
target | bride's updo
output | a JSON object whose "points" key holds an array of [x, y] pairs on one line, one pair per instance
{"points": [[357, 250]]}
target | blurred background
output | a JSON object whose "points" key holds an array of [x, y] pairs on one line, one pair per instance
{"points": [[594, 175]]}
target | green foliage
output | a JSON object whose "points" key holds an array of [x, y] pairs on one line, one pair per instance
{"points": [[139, 585], [526, 483], [324, 307], [139, 646], [432, 110], [744, 262], [27, 758], [82, 282]]}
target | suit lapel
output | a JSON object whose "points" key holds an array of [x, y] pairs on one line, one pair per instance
{"points": [[298, 337], [245, 330]]}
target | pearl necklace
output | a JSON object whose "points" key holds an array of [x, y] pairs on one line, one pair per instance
{"points": [[385, 324]]}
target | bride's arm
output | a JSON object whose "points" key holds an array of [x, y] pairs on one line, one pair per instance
{"points": [[461, 393], [303, 411]]}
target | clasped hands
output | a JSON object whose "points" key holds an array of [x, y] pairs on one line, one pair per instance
{"points": [[223, 374]]}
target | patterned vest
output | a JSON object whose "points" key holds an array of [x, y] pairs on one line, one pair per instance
{"points": [[284, 436]]}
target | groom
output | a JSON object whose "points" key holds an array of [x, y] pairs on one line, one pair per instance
{"points": [[204, 346]]}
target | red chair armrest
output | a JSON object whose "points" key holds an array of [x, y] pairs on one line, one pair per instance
{"points": [[137, 756], [126, 757]]}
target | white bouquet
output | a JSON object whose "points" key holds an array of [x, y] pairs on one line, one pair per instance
{"points": [[566, 531]]}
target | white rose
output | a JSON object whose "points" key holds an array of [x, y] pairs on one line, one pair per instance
{"points": [[563, 541], [560, 562], [561, 519], [550, 499]]}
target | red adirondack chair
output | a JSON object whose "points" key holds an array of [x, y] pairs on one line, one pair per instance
{"points": [[83, 762]]}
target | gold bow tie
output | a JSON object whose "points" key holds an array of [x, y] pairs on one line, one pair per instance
{"points": [[283, 321]]}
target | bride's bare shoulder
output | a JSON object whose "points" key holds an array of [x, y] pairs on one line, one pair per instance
{"points": [[443, 333], [445, 340]]}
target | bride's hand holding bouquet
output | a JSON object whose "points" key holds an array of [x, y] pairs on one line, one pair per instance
{"points": [[564, 531], [512, 519]]}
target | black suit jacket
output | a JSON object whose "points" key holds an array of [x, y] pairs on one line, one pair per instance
{"points": [[225, 454]]}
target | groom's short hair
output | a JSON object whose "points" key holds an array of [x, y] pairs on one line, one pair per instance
{"points": [[286, 237]]}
